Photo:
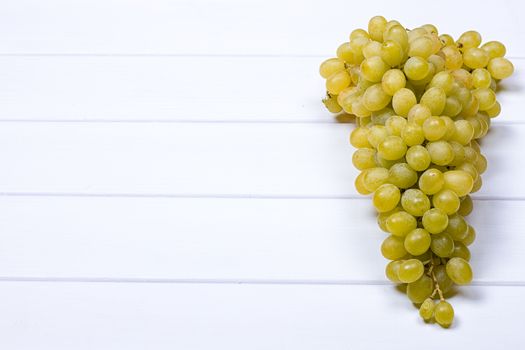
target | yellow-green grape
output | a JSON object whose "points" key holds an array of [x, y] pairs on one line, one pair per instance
{"points": [[403, 100], [464, 132], [481, 163], [477, 185], [417, 241], [494, 111], [402, 175], [463, 76], [494, 49], [418, 158], [359, 33], [421, 289], [337, 82], [348, 94], [446, 39], [416, 68], [441, 152], [364, 158], [386, 198], [416, 33], [500, 68], [426, 310], [395, 125], [331, 104], [453, 57], [413, 134], [444, 313], [435, 220], [471, 155], [400, 224], [397, 33], [375, 177], [443, 80], [376, 27], [431, 181], [466, 206], [481, 78], [422, 47], [392, 269], [376, 135], [373, 48], [418, 114], [382, 217], [393, 248], [359, 109], [470, 110], [469, 168], [392, 148], [486, 98], [331, 66], [434, 128], [458, 181], [457, 227], [346, 53], [392, 53], [435, 99], [442, 245], [391, 24], [373, 68], [452, 106], [471, 236], [387, 164], [459, 151], [446, 200], [475, 58], [463, 94], [359, 138], [469, 39], [459, 271], [410, 270], [438, 62], [380, 117], [415, 202], [359, 183], [375, 98], [445, 283], [392, 81], [460, 251]]}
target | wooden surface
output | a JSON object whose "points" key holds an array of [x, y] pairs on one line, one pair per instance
{"points": [[170, 180]]}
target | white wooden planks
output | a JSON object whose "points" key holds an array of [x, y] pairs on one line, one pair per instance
{"points": [[185, 89], [234, 27], [167, 316], [286, 240]]}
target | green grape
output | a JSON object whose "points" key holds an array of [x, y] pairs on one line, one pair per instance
{"points": [[413, 134], [373, 68], [445, 283], [392, 53], [403, 100], [337, 82], [442, 245], [397, 33], [464, 132], [460, 251], [418, 158], [457, 227], [431, 181], [434, 128], [393, 248], [380, 117], [392, 148], [486, 98], [438, 62], [392, 270], [331, 66], [426, 310], [364, 158], [400, 224], [418, 114], [358, 33], [500, 68], [444, 313], [382, 217], [415, 202], [393, 80], [410, 271], [470, 237], [395, 125], [435, 220], [470, 169], [466, 206], [386, 198], [416, 68], [446, 200], [443, 80], [494, 49], [435, 99], [386, 163], [420, 290], [494, 111], [446, 39], [481, 78], [475, 58], [375, 99], [459, 271], [459, 153], [331, 104], [458, 181], [375, 177], [453, 57], [441, 152], [359, 183], [417, 241], [376, 135], [359, 138], [376, 27], [346, 53], [373, 48], [401, 175], [422, 47], [452, 106], [469, 40], [481, 163]]}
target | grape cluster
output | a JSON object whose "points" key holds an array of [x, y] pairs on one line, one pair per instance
{"points": [[421, 101]]}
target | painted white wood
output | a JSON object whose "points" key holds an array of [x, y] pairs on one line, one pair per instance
{"points": [[210, 159], [263, 317], [181, 89], [227, 239], [233, 27]]}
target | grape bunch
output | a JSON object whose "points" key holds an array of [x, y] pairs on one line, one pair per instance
{"points": [[422, 100]]}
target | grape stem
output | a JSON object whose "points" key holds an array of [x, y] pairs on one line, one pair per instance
{"points": [[436, 284]]}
